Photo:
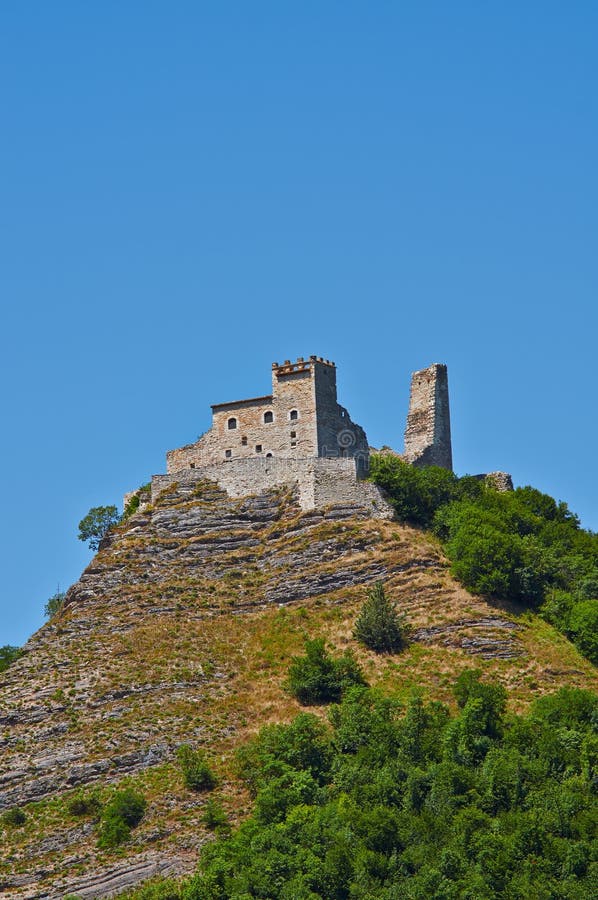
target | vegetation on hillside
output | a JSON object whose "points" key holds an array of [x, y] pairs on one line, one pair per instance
{"points": [[520, 545], [8, 654], [385, 802]]}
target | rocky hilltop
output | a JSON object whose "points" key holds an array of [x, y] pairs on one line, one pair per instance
{"points": [[181, 630]]}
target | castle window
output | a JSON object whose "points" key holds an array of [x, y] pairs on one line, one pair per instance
{"points": [[232, 424], [293, 434], [258, 448], [228, 453], [268, 417], [192, 465], [244, 441], [293, 415], [268, 455], [293, 443]]}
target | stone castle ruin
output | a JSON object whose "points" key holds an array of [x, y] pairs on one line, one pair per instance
{"points": [[300, 436]]}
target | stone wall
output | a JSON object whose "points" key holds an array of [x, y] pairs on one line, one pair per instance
{"points": [[301, 419], [428, 432], [320, 482]]}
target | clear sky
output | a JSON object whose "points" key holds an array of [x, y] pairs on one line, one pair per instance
{"points": [[191, 190]]}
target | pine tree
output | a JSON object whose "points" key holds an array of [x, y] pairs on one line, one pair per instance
{"points": [[379, 626]]}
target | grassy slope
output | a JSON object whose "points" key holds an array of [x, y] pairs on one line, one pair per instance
{"points": [[207, 658]]}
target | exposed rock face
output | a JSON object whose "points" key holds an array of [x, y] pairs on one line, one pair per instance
{"points": [[180, 631]]}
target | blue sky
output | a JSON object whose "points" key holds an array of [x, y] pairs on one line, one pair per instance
{"points": [[191, 190]]}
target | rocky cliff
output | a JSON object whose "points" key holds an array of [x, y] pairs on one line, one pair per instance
{"points": [[180, 631]]}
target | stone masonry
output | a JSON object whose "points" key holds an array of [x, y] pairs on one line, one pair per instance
{"points": [[300, 419], [300, 437], [428, 432]]}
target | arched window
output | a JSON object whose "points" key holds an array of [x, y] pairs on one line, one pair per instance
{"points": [[268, 417], [268, 455], [293, 415], [232, 424]]}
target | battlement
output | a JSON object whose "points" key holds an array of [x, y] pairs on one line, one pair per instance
{"points": [[300, 365]]}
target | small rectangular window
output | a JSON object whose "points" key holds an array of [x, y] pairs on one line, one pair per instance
{"points": [[228, 453], [293, 434], [293, 443], [258, 448], [244, 441]]}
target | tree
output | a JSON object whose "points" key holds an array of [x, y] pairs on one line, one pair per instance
{"points": [[96, 524], [583, 628], [379, 626], [8, 654], [54, 604]]}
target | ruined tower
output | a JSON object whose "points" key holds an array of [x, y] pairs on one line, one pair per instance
{"points": [[428, 431]]}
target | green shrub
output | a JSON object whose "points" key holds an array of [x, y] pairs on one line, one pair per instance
{"points": [[379, 626], [8, 655], [54, 604], [14, 817], [215, 817], [83, 805], [318, 677], [197, 774], [142, 494], [304, 744], [122, 813]]}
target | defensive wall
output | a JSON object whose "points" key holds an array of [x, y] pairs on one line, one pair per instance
{"points": [[320, 482]]}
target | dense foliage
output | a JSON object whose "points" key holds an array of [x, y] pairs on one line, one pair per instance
{"points": [[379, 625], [414, 803], [318, 677], [517, 545]]}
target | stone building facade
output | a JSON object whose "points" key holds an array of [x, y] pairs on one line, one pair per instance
{"points": [[300, 419]]}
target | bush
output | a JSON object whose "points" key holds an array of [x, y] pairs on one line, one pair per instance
{"points": [[416, 494], [13, 818], [318, 677], [304, 744], [8, 655], [122, 813], [83, 805], [379, 626], [142, 494], [215, 817], [54, 604], [197, 774]]}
